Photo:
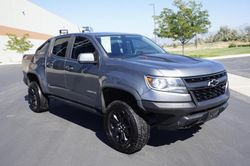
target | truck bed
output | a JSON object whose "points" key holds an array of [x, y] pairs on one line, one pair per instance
{"points": [[25, 64], [26, 60]]}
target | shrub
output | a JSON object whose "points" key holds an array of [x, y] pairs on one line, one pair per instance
{"points": [[18, 44], [243, 45], [174, 45], [232, 45]]}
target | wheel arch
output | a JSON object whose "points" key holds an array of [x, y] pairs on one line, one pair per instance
{"points": [[33, 77], [110, 93]]}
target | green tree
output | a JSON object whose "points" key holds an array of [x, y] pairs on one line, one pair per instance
{"points": [[247, 33], [184, 23], [18, 44], [226, 34]]}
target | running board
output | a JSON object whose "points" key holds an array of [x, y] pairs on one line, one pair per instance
{"points": [[84, 107]]}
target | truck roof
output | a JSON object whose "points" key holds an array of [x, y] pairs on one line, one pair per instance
{"points": [[97, 34], [108, 33]]}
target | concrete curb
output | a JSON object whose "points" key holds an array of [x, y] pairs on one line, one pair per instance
{"points": [[229, 56], [239, 84], [10, 63]]}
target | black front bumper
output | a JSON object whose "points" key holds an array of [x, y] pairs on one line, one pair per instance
{"points": [[184, 115], [199, 118]]}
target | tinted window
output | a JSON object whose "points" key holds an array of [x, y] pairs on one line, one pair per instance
{"points": [[82, 45], [128, 45], [60, 47], [141, 46], [43, 48]]}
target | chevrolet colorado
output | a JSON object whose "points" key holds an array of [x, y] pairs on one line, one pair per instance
{"points": [[128, 79]]}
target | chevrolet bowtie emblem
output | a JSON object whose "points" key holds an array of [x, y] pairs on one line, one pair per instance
{"points": [[213, 83]]}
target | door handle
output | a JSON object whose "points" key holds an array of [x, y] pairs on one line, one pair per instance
{"points": [[50, 64], [84, 70], [69, 68]]}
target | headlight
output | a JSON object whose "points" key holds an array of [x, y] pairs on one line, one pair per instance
{"points": [[175, 85]]}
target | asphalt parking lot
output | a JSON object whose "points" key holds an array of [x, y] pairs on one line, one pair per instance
{"points": [[237, 66], [67, 135]]}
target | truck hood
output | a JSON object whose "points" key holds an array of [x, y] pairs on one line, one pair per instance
{"points": [[176, 65]]}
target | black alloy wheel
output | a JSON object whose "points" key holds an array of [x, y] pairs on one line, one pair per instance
{"points": [[127, 132], [38, 102]]}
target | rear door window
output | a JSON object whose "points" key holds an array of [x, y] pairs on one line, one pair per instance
{"points": [[43, 49], [60, 47]]}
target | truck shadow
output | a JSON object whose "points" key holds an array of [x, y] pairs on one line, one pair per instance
{"points": [[165, 137], [79, 117], [95, 123]]}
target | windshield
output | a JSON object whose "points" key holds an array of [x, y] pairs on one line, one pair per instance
{"points": [[128, 45]]}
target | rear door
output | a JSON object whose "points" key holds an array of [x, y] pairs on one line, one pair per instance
{"points": [[55, 66], [82, 80]]}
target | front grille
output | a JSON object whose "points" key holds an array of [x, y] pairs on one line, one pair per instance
{"points": [[201, 90], [205, 78], [207, 93]]}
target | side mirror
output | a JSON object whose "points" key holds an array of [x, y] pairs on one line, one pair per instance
{"points": [[86, 58]]}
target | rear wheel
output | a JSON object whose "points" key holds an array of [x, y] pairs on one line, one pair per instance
{"points": [[126, 131], [38, 102]]}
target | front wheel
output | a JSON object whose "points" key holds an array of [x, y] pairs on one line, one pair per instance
{"points": [[126, 131], [38, 102]]}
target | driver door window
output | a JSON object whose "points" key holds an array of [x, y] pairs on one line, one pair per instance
{"points": [[82, 45]]}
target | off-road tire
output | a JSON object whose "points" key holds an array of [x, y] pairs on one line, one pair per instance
{"points": [[38, 102], [135, 129]]}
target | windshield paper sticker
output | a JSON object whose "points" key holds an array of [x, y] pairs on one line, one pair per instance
{"points": [[106, 43]]}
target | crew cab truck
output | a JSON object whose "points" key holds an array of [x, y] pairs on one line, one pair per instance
{"points": [[129, 80]]}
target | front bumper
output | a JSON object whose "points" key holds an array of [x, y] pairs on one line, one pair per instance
{"points": [[183, 115], [199, 118]]}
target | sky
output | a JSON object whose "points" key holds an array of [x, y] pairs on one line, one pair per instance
{"points": [[135, 16]]}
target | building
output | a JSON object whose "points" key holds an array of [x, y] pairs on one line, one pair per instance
{"points": [[23, 17]]}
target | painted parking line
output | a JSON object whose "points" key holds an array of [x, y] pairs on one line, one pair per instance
{"points": [[239, 84]]}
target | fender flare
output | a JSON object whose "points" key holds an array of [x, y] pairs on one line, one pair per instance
{"points": [[40, 83], [127, 89]]}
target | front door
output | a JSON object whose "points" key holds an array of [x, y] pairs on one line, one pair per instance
{"points": [[82, 80]]}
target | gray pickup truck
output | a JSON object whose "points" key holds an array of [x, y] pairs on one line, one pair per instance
{"points": [[129, 80]]}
